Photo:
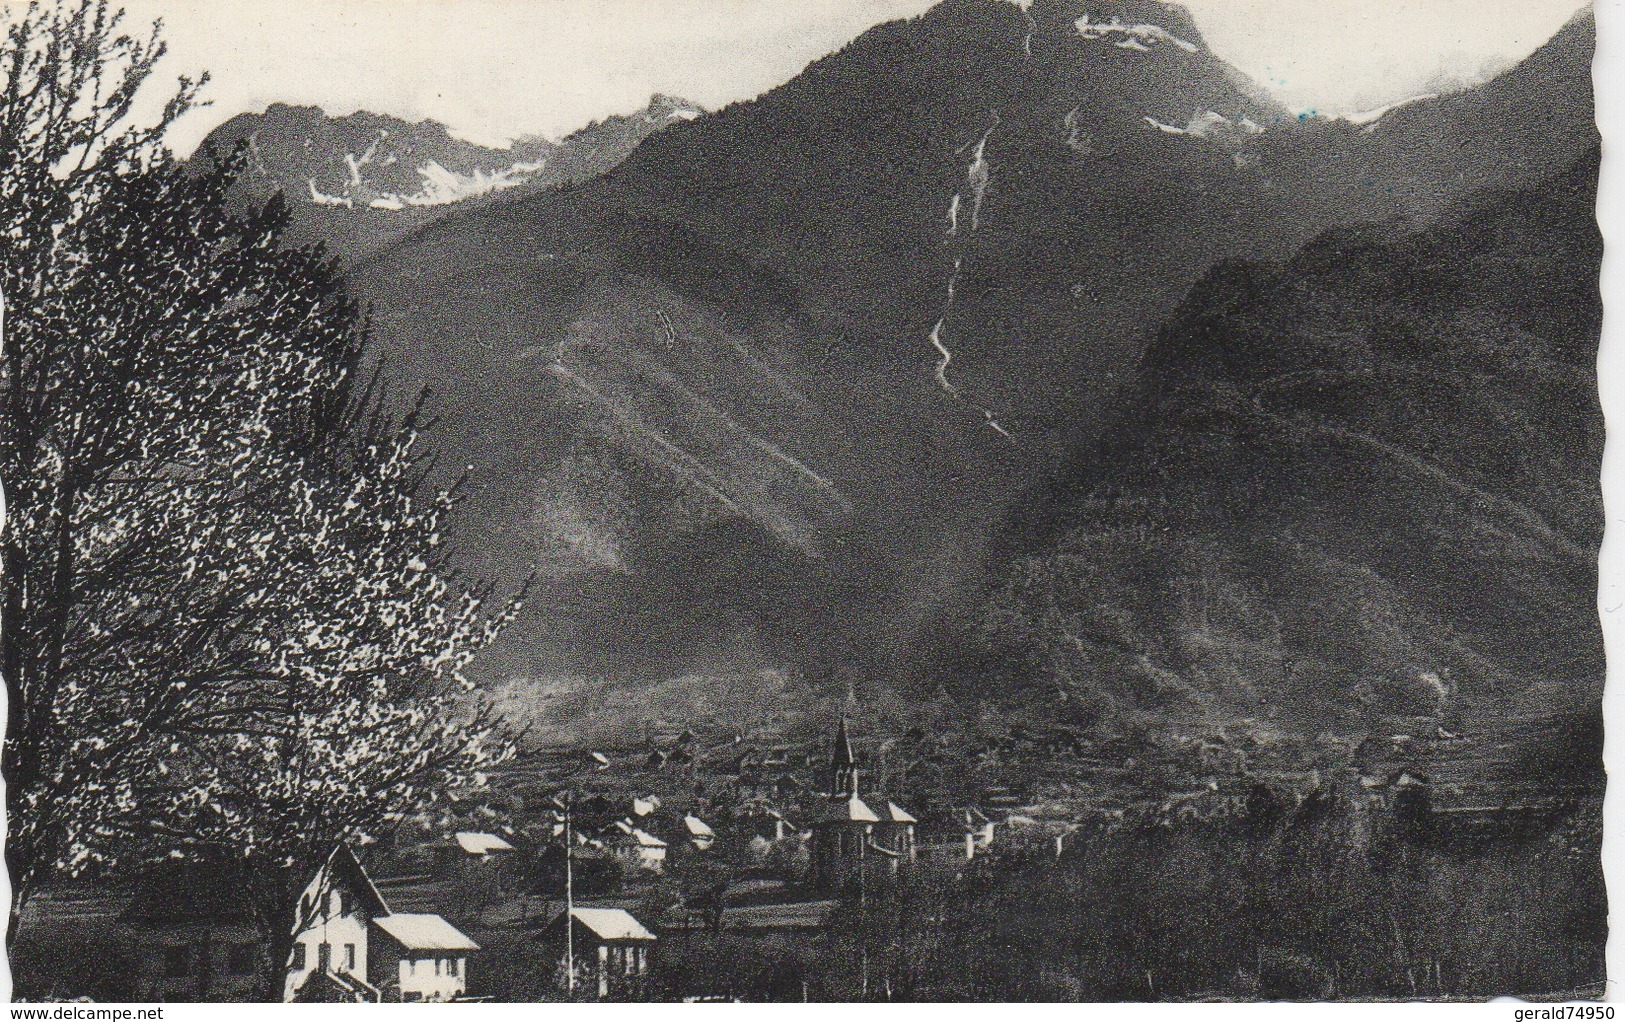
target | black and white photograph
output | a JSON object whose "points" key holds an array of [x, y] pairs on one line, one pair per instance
{"points": [[729, 501]]}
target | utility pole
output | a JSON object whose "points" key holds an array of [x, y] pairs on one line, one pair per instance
{"points": [[863, 915], [569, 900], [563, 801]]}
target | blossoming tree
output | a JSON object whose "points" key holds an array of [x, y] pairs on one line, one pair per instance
{"points": [[230, 629]]}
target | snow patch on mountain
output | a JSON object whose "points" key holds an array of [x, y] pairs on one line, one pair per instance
{"points": [[1209, 125], [1212, 126], [978, 176], [354, 163], [366, 160], [1131, 36], [1369, 118], [321, 198], [1077, 140], [442, 186]]}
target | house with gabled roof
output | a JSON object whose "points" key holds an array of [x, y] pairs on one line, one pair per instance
{"points": [[635, 846], [458, 850], [194, 937], [418, 956], [895, 831], [611, 949], [700, 835], [334, 913], [480, 845], [349, 946]]}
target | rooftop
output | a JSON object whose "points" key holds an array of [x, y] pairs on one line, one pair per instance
{"points": [[897, 814], [424, 931], [612, 923], [698, 827], [850, 810], [646, 839], [477, 843], [636, 835]]}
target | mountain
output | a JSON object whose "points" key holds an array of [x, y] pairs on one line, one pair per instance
{"points": [[725, 346], [367, 159], [1415, 158], [379, 176], [1356, 486], [768, 403]]}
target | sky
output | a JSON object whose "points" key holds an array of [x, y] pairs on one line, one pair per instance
{"points": [[493, 70]]}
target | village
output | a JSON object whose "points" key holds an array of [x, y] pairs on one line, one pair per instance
{"points": [[380, 931], [625, 884]]}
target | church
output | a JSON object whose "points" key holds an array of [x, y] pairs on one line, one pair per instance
{"points": [[852, 841]]}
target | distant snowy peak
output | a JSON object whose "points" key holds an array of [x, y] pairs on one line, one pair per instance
{"points": [[372, 178], [365, 160], [670, 108]]}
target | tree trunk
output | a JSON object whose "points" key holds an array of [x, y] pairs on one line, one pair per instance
{"points": [[275, 916], [278, 948]]}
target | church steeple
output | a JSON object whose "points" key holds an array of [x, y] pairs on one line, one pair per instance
{"points": [[843, 766]]}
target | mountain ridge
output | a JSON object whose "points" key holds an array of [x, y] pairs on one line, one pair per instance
{"points": [[728, 344], [359, 181], [1361, 482]]}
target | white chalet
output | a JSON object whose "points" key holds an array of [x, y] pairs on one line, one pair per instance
{"points": [[349, 946], [329, 957], [611, 949], [418, 956]]}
